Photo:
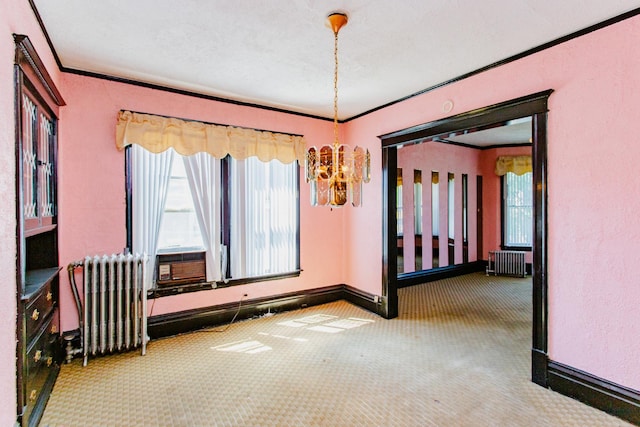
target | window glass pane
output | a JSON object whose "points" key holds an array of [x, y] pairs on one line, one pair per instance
{"points": [[264, 218], [179, 229], [518, 227]]}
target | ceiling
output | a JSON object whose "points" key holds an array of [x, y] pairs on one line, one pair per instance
{"points": [[279, 53], [513, 132]]}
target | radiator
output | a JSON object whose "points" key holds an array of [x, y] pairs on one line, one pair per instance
{"points": [[508, 263], [114, 307]]}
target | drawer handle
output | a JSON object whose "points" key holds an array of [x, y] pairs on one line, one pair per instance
{"points": [[49, 361], [54, 329], [35, 314], [49, 296], [32, 396], [37, 356]]}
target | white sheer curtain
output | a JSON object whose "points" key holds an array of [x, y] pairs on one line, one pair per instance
{"points": [[263, 227], [150, 181], [203, 174]]}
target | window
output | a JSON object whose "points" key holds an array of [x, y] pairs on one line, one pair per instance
{"points": [[263, 218], [179, 229], [243, 214], [517, 218]]}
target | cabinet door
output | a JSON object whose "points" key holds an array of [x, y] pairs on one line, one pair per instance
{"points": [[38, 163], [29, 131]]}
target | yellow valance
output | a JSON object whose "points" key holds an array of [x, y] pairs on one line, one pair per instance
{"points": [[515, 164], [157, 134]]}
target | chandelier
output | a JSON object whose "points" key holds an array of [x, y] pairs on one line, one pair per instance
{"points": [[336, 172]]}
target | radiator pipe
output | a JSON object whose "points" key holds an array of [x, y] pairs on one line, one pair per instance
{"points": [[76, 296]]}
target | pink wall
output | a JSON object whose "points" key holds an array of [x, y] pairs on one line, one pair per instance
{"points": [[593, 291], [15, 18], [592, 154], [444, 159], [457, 160], [491, 197], [91, 174]]}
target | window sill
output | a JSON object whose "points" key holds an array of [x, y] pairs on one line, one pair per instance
{"points": [[516, 248], [164, 291]]}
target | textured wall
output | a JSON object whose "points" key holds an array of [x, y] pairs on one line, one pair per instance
{"points": [[92, 187], [593, 227], [15, 18], [593, 151]]}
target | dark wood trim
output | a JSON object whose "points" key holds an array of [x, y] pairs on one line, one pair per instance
{"points": [[534, 105], [479, 218], [502, 211], [509, 59], [189, 93], [212, 123], [478, 147], [192, 320], [298, 218], [539, 363], [20, 247], [363, 299], [425, 276], [389, 233], [609, 397], [164, 291], [46, 34], [225, 226], [465, 218], [501, 112], [492, 147], [128, 197], [30, 63], [540, 303]]}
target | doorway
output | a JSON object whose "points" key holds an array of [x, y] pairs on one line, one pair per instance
{"points": [[534, 106]]}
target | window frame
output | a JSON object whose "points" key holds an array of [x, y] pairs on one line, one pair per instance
{"points": [[503, 219], [156, 291]]}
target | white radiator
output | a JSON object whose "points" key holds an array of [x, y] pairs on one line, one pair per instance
{"points": [[508, 263], [114, 311]]}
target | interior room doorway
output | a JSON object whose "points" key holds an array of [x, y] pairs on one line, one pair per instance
{"points": [[533, 107]]}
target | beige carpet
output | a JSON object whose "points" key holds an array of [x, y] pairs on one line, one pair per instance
{"points": [[458, 355]]}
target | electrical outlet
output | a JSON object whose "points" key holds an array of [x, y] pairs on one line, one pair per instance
{"points": [[376, 299]]}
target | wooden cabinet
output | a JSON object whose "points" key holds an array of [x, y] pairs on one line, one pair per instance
{"points": [[42, 355], [38, 327]]}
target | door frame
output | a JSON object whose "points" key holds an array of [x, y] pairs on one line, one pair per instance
{"points": [[534, 106]]}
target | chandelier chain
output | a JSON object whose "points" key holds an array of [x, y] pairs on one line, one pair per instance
{"points": [[335, 89]]}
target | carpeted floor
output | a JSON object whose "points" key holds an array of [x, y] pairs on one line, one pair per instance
{"points": [[457, 355]]}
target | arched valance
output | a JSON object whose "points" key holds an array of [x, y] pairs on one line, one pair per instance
{"points": [[515, 164], [158, 133]]}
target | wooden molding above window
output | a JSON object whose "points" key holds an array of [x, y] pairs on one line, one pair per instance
{"points": [[33, 69]]}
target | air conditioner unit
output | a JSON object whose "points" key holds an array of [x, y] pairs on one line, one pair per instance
{"points": [[181, 269]]}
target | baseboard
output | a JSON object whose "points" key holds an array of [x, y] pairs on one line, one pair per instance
{"points": [[539, 367], [190, 320], [362, 299], [609, 397], [424, 276]]}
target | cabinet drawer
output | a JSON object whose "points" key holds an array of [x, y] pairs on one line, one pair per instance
{"points": [[39, 364], [38, 310]]}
